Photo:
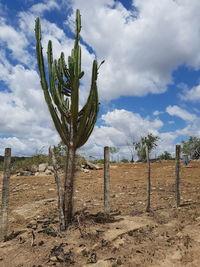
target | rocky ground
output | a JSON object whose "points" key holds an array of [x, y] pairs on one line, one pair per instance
{"points": [[166, 236]]}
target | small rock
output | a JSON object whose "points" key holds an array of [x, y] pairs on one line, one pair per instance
{"points": [[34, 168], [92, 166], [85, 170], [50, 168], [53, 259], [42, 167], [51, 189]]}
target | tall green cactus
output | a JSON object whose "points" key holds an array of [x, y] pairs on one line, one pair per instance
{"points": [[61, 93]]}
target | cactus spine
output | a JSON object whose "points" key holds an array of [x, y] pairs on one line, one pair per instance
{"points": [[61, 94]]}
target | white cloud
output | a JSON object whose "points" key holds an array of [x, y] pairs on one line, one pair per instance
{"points": [[166, 143], [157, 112], [15, 42], [140, 52], [192, 127], [40, 8], [181, 113], [25, 121], [130, 123], [121, 128], [191, 95]]}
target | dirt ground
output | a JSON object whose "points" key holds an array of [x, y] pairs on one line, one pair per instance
{"points": [[166, 236]]}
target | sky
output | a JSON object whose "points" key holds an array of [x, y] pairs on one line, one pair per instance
{"points": [[149, 82]]}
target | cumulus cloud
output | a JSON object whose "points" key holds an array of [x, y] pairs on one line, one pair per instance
{"points": [[181, 113], [140, 51], [191, 95], [40, 8], [15, 42], [192, 121], [25, 122], [121, 128]]}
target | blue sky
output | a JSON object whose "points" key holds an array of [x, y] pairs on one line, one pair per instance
{"points": [[149, 82]]}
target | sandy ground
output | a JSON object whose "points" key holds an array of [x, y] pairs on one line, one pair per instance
{"points": [[166, 236]]}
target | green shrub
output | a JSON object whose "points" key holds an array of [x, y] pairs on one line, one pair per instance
{"points": [[98, 161], [124, 161], [27, 164]]}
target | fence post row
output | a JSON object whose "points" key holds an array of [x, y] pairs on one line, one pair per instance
{"points": [[106, 181], [177, 172], [5, 194]]}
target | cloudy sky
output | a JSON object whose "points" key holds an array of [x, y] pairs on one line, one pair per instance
{"points": [[149, 82]]}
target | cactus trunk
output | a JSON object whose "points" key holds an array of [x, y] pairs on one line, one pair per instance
{"points": [[69, 186], [69, 180]]}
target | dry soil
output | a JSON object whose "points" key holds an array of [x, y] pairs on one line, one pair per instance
{"points": [[166, 236]]}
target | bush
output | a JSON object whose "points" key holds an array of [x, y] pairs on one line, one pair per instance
{"points": [[124, 161], [29, 163], [165, 156], [98, 161]]}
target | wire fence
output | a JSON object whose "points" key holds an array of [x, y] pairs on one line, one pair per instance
{"points": [[117, 154]]}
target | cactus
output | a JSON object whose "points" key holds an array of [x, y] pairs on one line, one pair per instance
{"points": [[61, 94]]}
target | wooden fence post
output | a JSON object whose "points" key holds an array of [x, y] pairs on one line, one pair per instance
{"points": [[60, 189], [148, 181], [106, 181], [177, 172], [5, 194]]}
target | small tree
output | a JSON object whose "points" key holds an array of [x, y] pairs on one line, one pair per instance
{"points": [[189, 147], [165, 156], [62, 97], [147, 141], [60, 152], [113, 150], [131, 148]]}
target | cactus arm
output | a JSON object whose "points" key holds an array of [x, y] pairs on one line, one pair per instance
{"points": [[53, 76], [88, 130], [64, 67], [92, 89], [76, 55], [40, 58], [92, 117], [88, 114], [44, 84], [65, 90]]}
